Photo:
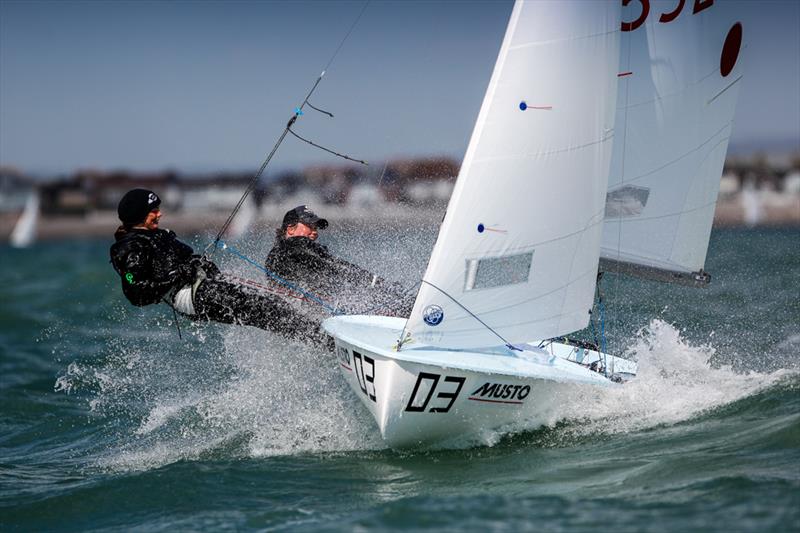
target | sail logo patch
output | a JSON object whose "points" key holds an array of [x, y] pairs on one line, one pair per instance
{"points": [[501, 393], [433, 315]]}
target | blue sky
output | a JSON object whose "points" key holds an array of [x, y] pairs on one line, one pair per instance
{"points": [[207, 85]]}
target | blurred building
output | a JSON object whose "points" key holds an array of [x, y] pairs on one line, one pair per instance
{"points": [[753, 190]]}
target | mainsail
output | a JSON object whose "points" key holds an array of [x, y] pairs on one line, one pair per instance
{"points": [[679, 74], [517, 252]]}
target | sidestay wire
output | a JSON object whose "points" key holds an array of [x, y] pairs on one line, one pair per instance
{"points": [[297, 112], [251, 185], [470, 313], [315, 145], [601, 309]]}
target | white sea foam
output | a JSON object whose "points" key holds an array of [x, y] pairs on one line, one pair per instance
{"points": [[282, 398], [279, 398], [291, 399], [790, 344], [275, 398], [675, 382]]}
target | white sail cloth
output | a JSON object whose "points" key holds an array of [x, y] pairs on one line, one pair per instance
{"points": [[677, 95], [517, 253], [24, 232]]}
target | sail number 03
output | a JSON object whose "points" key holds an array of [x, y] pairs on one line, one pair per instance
{"points": [[699, 5]]}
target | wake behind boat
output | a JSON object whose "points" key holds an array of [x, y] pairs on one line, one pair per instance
{"points": [[591, 143]]}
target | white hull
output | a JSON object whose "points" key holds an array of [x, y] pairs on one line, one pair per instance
{"points": [[427, 397]]}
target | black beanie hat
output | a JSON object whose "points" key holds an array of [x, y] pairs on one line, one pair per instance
{"points": [[136, 204]]}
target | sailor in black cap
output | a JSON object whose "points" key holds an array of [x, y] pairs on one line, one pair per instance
{"points": [[297, 258], [155, 266]]}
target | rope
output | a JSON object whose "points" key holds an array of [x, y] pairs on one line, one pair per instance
{"points": [[312, 143], [615, 288], [470, 313], [320, 110], [297, 112], [175, 316], [333, 310], [382, 306], [594, 329], [251, 185], [352, 27], [601, 308]]}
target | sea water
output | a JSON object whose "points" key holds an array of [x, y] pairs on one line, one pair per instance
{"points": [[111, 421]]}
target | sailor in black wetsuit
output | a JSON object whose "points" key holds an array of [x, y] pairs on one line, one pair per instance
{"points": [[297, 258], [155, 266]]}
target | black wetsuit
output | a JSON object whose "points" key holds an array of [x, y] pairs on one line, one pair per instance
{"points": [[343, 285], [154, 264]]}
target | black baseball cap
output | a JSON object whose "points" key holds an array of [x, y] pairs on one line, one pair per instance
{"points": [[303, 214], [136, 204]]}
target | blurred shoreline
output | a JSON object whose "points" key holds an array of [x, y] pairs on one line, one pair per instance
{"points": [[754, 191], [187, 223], [730, 212]]}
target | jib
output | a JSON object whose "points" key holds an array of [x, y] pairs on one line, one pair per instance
{"points": [[503, 391]]}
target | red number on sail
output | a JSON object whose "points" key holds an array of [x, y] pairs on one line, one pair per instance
{"points": [[700, 5], [630, 26], [669, 17]]}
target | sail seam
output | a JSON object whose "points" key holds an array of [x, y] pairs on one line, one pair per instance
{"points": [[551, 152], [531, 44], [682, 156], [682, 90], [677, 213], [590, 224], [731, 84]]}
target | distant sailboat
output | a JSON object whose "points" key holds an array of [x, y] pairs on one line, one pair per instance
{"points": [[24, 232], [540, 197], [242, 221]]}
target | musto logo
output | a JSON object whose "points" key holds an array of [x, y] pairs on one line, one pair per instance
{"points": [[501, 393], [433, 315]]}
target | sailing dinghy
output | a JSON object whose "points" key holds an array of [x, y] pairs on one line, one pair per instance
{"points": [[518, 251], [24, 233]]}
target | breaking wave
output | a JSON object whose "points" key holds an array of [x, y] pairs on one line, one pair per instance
{"points": [[676, 381], [246, 394]]}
